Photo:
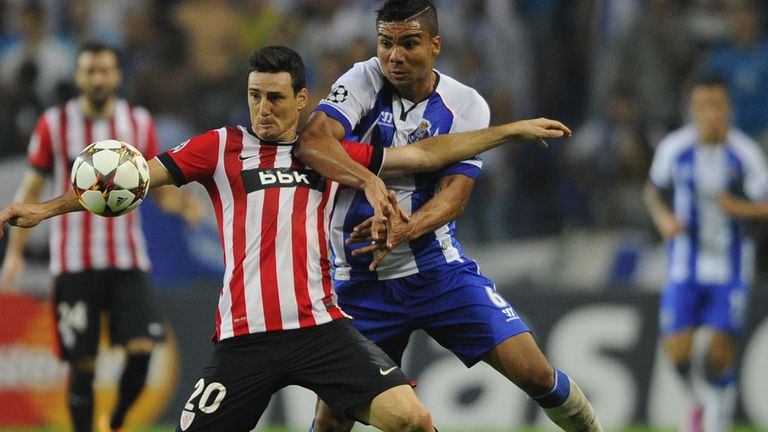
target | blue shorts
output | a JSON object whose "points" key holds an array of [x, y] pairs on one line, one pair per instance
{"points": [[689, 305], [455, 304]]}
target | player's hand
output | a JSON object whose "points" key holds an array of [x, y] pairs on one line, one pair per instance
{"points": [[384, 212], [539, 129], [13, 265], [23, 215], [399, 232], [669, 226]]}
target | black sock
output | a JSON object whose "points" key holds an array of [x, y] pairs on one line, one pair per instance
{"points": [[80, 399], [131, 383]]}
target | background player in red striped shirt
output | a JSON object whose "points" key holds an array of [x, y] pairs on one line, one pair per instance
{"points": [[98, 263], [278, 322]]}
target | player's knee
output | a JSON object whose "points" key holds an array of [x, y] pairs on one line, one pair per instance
{"points": [[536, 380], [415, 419], [719, 363], [140, 346]]}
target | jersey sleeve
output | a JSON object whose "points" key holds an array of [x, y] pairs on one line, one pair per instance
{"points": [[365, 154], [755, 175], [476, 115], [660, 174], [353, 94], [192, 160], [40, 150]]}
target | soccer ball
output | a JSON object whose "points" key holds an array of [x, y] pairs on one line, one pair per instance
{"points": [[110, 178]]}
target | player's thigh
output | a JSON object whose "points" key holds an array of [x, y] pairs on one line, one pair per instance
{"points": [[132, 310], [678, 345], [680, 307], [721, 353], [343, 367], [461, 309], [378, 313], [78, 302], [393, 409], [232, 393]]}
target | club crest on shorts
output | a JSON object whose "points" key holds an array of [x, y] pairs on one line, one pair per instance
{"points": [[186, 419]]}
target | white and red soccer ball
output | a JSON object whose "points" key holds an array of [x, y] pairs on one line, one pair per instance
{"points": [[110, 178]]}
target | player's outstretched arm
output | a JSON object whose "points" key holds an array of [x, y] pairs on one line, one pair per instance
{"points": [[436, 152], [29, 214], [743, 209]]}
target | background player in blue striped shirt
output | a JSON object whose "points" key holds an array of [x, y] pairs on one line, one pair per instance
{"points": [[419, 278], [711, 254]]}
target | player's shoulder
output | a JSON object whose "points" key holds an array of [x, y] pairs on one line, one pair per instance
{"points": [[369, 71], [678, 140], [743, 144], [138, 112], [455, 93]]}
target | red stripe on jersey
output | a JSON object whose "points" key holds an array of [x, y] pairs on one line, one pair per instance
{"points": [[299, 251], [325, 263], [111, 254], [86, 252], [233, 166], [42, 158], [65, 185], [270, 293]]}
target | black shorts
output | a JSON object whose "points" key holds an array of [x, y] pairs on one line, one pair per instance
{"points": [[79, 298], [333, 360]]}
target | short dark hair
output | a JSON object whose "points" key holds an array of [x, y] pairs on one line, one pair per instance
{"points": [[277, 58], [708, 81], [96, 47], [407, 10]]}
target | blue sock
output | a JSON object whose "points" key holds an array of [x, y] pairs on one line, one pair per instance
{"points": [[559, 393]]}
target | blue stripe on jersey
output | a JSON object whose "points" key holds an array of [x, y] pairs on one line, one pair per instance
{"points": [[384, 133], [335, 114], [686, 159], [735, 182]]}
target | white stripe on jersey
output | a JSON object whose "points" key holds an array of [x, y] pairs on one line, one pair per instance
{"points": [[227, 227]]}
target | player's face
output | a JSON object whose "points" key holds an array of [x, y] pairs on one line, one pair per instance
{"points": [[273, 106], [407, 54], [710, 110], [98, 76]]}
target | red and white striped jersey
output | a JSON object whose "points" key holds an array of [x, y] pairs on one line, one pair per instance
{"points": [[273, 215], [83, 241]]}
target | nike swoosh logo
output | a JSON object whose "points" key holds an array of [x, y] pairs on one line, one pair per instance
{"points": [[388, 371], [243, 158]]}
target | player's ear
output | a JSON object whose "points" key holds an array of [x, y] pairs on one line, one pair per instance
{"points": [[302, 98], [437, 44]]}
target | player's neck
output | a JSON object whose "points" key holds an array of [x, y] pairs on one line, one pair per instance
{"points": [[94, 111], [419, 90]]}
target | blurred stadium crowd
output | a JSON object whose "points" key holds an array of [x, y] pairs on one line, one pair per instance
{"points": [[614, 70]]}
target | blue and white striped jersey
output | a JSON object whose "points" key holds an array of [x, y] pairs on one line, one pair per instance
{"points": [[715, 248], [371, 112]]}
